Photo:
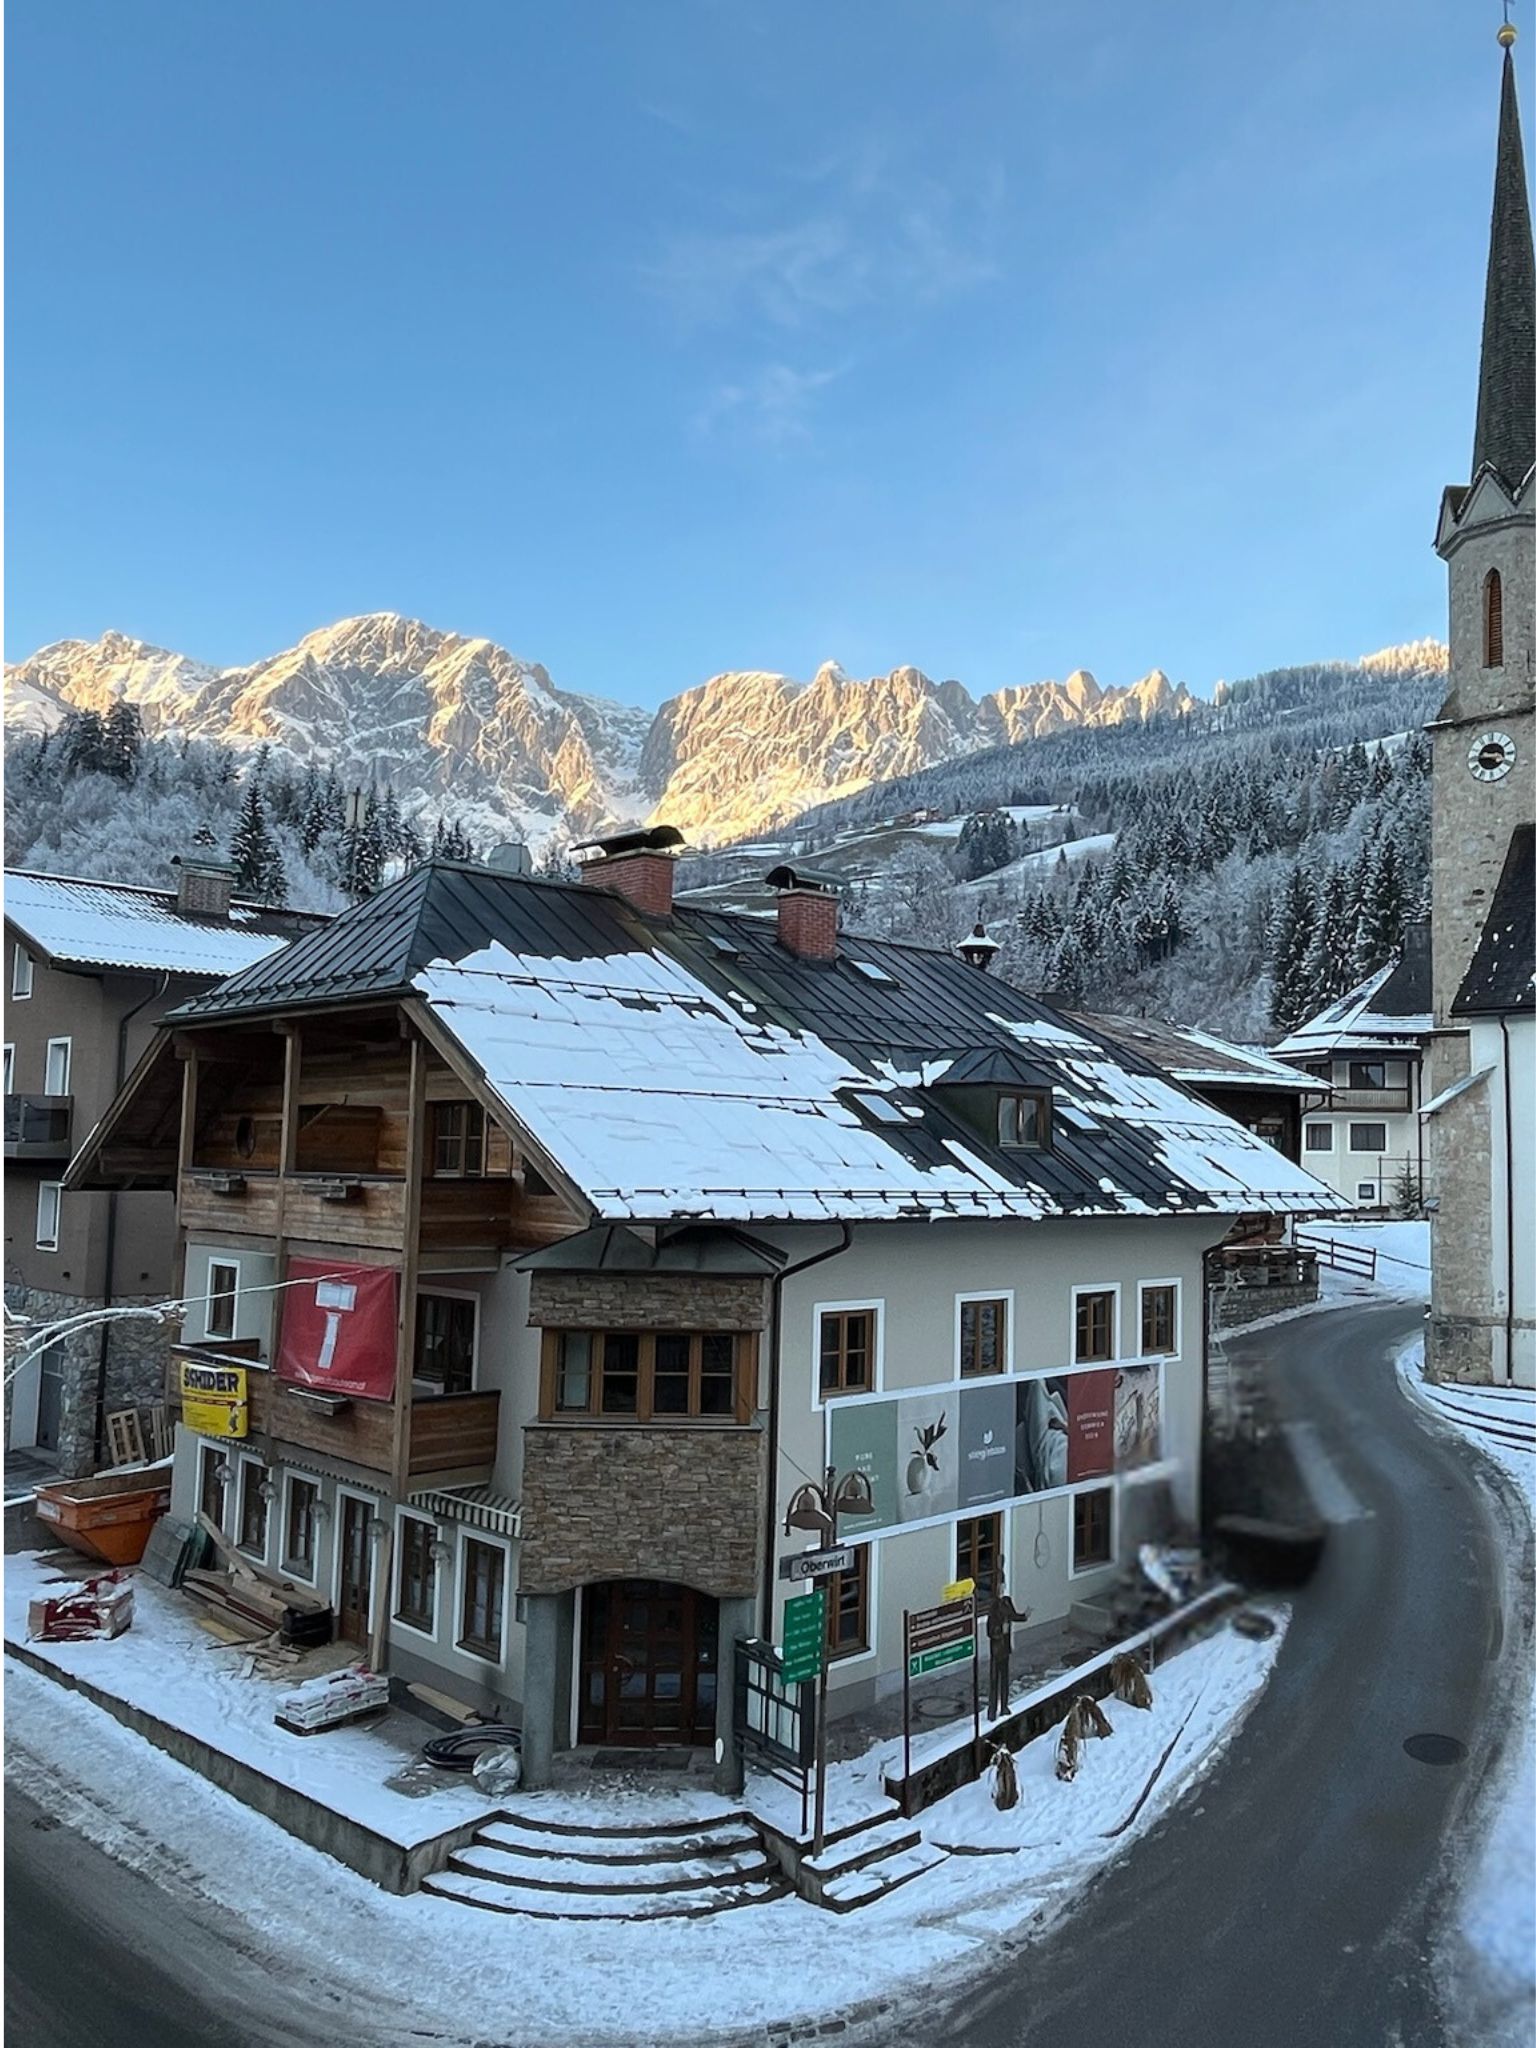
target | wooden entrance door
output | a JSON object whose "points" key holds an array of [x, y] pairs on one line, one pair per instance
{"points": [[355, 1579], [648, 1663]]}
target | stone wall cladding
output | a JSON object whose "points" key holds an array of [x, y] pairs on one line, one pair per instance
{"points": [[683, 1504], [647, 1301], [137, 1357]]}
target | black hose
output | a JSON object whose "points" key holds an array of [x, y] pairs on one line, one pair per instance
{"points": [[457, 1752]]}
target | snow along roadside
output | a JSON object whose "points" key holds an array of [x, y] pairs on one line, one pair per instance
{"points": [[1491, 1954], [749, 1975]]}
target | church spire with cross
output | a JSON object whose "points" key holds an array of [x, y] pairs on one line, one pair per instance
{"points": [[1505, 436]]}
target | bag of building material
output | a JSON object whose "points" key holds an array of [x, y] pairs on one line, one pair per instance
{"points": [[337, 1696], [98, 1610]]}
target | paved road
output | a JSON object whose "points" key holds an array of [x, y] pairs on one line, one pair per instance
{"points": [[1291, 1904], [96, 1956]]}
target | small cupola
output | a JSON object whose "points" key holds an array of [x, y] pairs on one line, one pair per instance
{"points": [[205, 886], [978, 950], [807, 910], [638, 865]]}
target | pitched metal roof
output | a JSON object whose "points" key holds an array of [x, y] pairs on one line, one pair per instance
{"points": [[694, 1067], [1196, 1058], [1505, 437], [1502, 975], [1387, 1010], [82, 923]]}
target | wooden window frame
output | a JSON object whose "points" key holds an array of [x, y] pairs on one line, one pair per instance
{"points": [[1078, 1569], [838, 1652], [472, 1135], [294, 1563], [842, 1313], [480, 1647], [1080, 1295], [1174, 1346], [966, 1353], [418, 1621], [996, 1523], [252, 1473], [231, 1295], [1493, 620], [743, 1379], [1041, 1100], [425, 1294]]}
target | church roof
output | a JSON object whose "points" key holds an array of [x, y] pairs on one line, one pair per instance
{"points": [[1505, 437], [1502, 975]]}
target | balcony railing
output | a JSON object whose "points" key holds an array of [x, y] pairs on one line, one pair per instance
{"points": [[38, 1126], [1383, 1099]]}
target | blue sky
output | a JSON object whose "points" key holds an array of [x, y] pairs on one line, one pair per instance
{"points": [[658, 337]]}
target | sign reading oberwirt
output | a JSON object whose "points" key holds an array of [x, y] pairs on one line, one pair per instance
{"points": [[213, 1399]]}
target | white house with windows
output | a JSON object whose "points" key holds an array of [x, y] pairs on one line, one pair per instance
{"points": [[1365, 1138]]}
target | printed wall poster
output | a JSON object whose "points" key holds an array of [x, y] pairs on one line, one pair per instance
{"points": [[862, 1438], [339, 1328], [986, 1444], [1040, 1435], [1138, 1417], [928, 1455], [1090, 1425]]}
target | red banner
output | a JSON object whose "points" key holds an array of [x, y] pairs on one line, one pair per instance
{"points": [[1090, 1425], [339, 1328]]}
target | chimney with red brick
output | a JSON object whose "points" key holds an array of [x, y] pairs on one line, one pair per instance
{"points": [[807, 911], [638, 866]]}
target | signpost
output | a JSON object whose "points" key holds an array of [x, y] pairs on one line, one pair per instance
{"points": [[816, 1564], [934, 1638], [805, 1637]]}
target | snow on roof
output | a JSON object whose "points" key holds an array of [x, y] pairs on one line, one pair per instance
{"points": [[663, 1098], [116, 924], [1354, 1023]]}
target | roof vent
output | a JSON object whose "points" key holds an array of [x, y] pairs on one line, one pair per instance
{"points": [[807, 910], [638, 865], [511, 857], [978, 950], [204, 887]]}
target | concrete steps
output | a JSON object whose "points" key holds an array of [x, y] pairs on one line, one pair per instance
{"points": [[865, 1862], [551, 1870]]}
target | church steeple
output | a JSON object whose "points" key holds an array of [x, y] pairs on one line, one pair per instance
{"points": [[1506, 392]]}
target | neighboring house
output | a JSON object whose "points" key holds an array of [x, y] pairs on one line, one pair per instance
{"points": [[1366, 1138], [562, 1234], [91, 970], [1482, 1322], [1253, 1087]]}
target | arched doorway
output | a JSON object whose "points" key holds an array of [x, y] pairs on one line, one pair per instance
{"points": [[649, 1663]]}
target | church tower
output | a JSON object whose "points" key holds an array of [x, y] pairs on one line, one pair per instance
{"points": [[1483, 803]]}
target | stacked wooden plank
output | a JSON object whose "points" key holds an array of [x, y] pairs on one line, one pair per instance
{"points": [[243, 1597]]}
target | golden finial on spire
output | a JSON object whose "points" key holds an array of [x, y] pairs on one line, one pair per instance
{"points": [[1508, 33]]}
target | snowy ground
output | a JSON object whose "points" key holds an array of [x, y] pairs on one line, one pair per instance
{"points": [[1402, 1270], [429, 1963], [1497, 1915]]}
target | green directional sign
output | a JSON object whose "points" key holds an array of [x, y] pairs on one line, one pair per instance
{"points": [[934, 1660], [805, 1636]]}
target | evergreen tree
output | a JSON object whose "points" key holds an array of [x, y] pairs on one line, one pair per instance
{"points": [[122, 741], [1289, 939], [258, 864], [83, 736]]}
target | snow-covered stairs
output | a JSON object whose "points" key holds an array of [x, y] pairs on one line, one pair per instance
{"points": [[551, 1870], [865, 1861]]}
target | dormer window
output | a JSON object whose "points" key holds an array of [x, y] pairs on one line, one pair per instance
{"points": [[1023, 1122]]}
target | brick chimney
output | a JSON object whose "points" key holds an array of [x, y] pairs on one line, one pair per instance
{"points": [[807, 911], [204, 886], [639, 866]]}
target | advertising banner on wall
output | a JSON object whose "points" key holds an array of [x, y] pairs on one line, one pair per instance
{"points": [[933, 1453], [338, 1328]]}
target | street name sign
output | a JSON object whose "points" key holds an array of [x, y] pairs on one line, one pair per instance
{"points": [[816, 1564], [805, 1637]]}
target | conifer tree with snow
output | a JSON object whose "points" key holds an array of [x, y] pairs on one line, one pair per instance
{"points": [[259, 868]]}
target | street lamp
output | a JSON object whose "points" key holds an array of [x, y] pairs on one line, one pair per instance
{"points": [[816, 1509]]}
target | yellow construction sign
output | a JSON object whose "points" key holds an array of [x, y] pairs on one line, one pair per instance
{"points": [[213, 1399]]}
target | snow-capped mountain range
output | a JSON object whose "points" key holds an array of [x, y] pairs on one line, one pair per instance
{"points": [[460, 724]]}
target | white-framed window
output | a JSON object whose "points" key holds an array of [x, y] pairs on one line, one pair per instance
{"points": [[1367, 1137], [1095, 1330], [1367, 1191], [252, 1519], [10, 1070], [214, 1475], [1317, 1137], [56, 1067], [1093, 1530], [416, 1575], [49, 1199], [1159, 1319], [849, 1338], [300, 1545], [483, 1579], [984, 1333], [21, 974], [223, 1290]]}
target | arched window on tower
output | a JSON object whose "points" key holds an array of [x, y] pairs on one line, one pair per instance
{"points": [[1493, 620]]}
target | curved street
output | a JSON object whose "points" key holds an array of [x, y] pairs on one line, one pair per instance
{"points": [[1292, 1900]]}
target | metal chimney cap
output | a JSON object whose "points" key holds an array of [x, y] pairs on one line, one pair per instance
{"points": [[640, 839], [821, 881]]}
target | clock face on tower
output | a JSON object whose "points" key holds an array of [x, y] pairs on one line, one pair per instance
{"points": [[1491, 756]]}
